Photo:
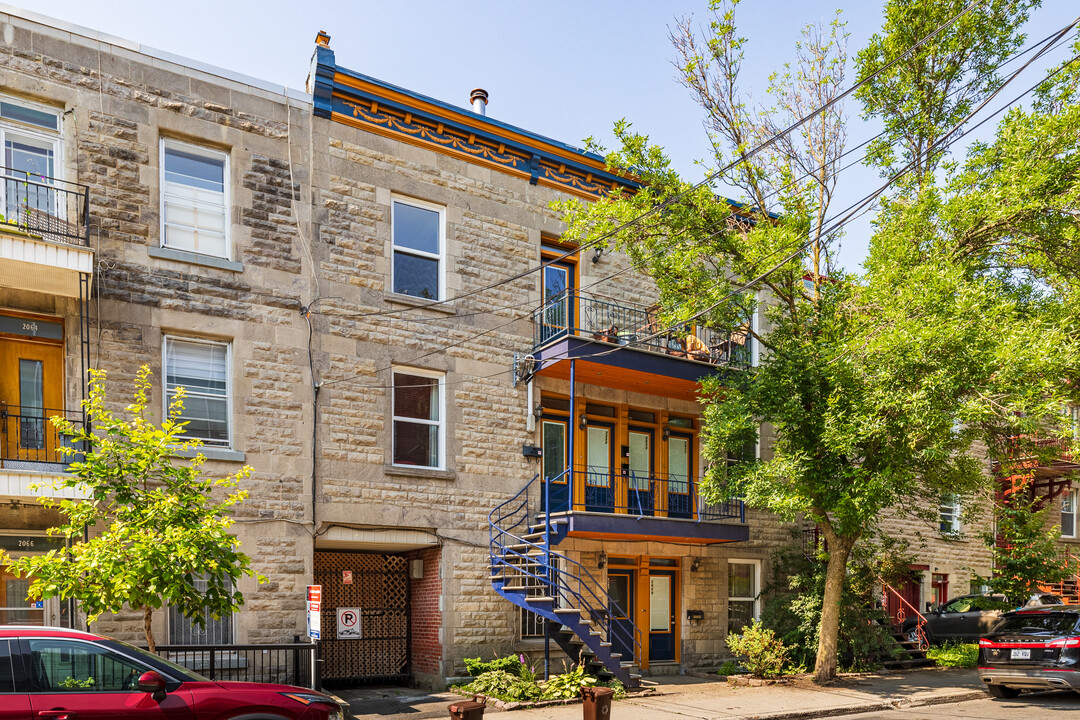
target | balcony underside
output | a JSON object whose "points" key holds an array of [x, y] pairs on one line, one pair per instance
{"points": [[624, 528], [32, 263], [623, 368]]}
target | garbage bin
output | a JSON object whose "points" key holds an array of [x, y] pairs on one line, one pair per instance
{"points": [[468, 709], [596, 703]]}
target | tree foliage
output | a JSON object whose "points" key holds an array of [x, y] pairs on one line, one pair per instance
{"points": [[155, 524], [873, 387]]}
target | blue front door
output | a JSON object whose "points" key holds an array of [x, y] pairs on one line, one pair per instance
{"points": [[661, 615], [621, 612], [599, 490], [554, 463]]}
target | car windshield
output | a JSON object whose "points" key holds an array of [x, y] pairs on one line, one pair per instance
{"points": [[178, 671], [1038, 623]]}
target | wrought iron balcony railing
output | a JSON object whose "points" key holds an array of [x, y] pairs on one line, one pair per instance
{"points": [[47, 207], [580, 315], [29, 440], [606, 490]]}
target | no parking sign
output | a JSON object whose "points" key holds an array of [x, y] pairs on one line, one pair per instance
{"points": [[348, 623]]}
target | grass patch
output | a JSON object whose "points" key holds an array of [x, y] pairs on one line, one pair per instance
{"points": [[955, 655]]}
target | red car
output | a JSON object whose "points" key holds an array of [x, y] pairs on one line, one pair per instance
{"points": [[67, 675]]}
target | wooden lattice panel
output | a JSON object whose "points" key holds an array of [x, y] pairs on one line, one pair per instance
{"points": [[380, 588]]}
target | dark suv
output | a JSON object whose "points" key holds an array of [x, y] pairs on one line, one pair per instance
{"points": [[966, 618], [1032, 649], [58, 673]]}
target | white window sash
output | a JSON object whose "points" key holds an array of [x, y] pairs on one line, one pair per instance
{"points": [[439, 257], [196, 203], [170, 388], [440, 436]]}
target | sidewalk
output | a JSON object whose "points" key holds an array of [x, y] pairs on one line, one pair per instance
{"points": [[687, 698], [680, 697]]}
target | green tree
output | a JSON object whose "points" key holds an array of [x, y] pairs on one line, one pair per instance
{"points": [[874, 387], [923, 96], [1025, 551], [154, 522]]}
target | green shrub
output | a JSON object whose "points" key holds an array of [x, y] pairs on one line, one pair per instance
{"points": [[763, 653], [955, 655], [729, 668], [511, 664], [502, 685], [568, 685], [614, 684]]}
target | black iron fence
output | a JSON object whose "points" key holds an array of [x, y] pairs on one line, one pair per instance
{"points": [[28, 436], [578, 314], [50, 208], [285, 663]]}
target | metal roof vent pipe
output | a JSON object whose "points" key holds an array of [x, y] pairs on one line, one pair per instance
{"points": [[479, 99]]}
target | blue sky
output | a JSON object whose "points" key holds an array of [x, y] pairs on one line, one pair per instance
{"points": [[563, 69]]}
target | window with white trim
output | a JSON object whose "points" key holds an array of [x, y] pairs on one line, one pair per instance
{"points": [[744, 579], [419, 239], [201, 367], [194, 198], [949, 513], [185, 631], [419, 433], [30, 137], [1068, 514]]}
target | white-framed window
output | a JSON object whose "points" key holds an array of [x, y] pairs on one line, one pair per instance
{"points": [[418, 411], [419, 240], [949, 514], [1068, 514], [744, 583], [185, 631], [201, 367], [30, 137], [194, 198]]}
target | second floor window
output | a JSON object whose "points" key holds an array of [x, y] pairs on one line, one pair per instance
{"points": [[949, 513], [419, 247], [418, 425], [194, 199], [30, 135], [201, 367], [1068, 514]]}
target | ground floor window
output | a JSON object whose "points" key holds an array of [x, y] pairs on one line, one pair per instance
{"points": [[185, 631], [743, 581]]}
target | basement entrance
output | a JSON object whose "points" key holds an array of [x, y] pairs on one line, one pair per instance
{"points": [[377, 586]]}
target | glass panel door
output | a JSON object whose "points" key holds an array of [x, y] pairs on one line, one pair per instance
{"points": [[31, 391], [621, 612], [598, 491], [661, 619], [557, 305], [678, 481], [639, 496], [554, 464], [30, 164]]}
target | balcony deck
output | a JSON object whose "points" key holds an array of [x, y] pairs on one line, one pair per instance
{"points": [[602, 504], [622, 346], [29, 451], [44, 233]]}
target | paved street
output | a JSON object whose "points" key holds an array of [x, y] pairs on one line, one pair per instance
{"points": [[1044, 706]]}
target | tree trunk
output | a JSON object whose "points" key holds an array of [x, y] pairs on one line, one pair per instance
{"points": [[828, 634], [148, 614]]}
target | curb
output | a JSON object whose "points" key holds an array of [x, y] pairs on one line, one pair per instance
{"points": [[880, 706]]}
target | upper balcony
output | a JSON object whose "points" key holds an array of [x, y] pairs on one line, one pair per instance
{"points": [[30, 450], [623, 345], [44, 233]]}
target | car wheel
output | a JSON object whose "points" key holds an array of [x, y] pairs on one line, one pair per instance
{"points": [[1002, 691], [917, 637]]}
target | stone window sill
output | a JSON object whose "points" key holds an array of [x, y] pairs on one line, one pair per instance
{"points": [[167, 253], [427, 473], [410, 301], [215, 453]]}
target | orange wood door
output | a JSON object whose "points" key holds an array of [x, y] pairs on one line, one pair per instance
{"points": [[31, 391]]}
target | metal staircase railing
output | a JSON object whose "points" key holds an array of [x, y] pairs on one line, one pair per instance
{"points": [[522, 561], [916, 633]]}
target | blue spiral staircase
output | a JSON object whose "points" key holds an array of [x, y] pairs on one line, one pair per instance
{"points": [[529, 573]]}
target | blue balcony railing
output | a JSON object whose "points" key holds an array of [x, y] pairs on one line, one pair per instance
{"points": [[607, 490], [636, 326]]}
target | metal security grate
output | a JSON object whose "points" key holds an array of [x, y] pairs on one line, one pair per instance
{"points": [[380, 589]]}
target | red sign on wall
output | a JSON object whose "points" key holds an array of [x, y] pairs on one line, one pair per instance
{"points": [[346, 577]]}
